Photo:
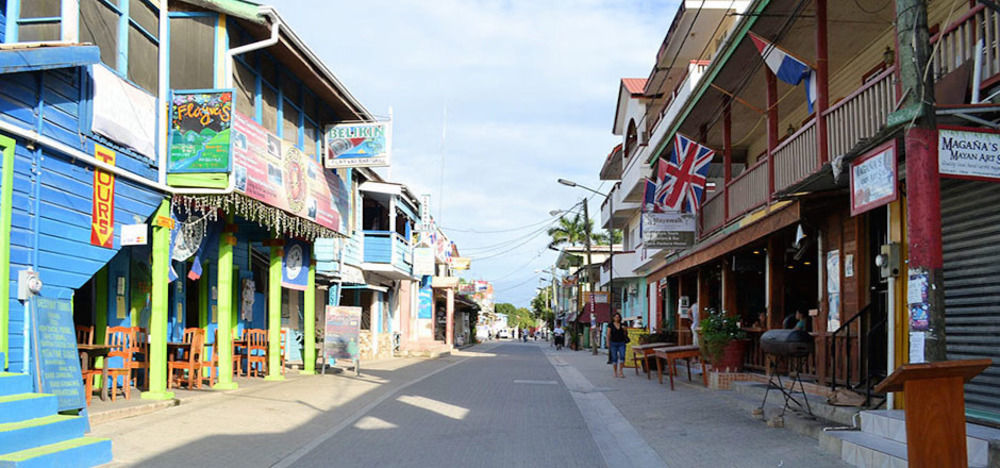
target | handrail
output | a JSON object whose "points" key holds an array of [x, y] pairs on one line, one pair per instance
{"points": [[864, 313], [748, 171], [788, 140], [957, 23], [871, 82]]}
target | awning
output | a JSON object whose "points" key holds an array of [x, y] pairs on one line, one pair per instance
{"points": [[601, 310]]}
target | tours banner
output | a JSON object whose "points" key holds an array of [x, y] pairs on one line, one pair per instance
{"points": [[200, 122], [279, 174]]}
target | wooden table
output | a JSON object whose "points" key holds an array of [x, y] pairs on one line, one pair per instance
{"points": [[88, 355], [173, 347], [673, 353], [646, 351]]}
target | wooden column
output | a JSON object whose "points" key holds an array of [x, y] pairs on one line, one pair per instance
{"points": [[159, 302], [822, 83], [274, 313], [727, 154], [772, 126], [776, 282], [729, 288]]}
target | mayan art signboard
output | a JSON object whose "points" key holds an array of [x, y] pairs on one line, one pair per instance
{"points": [[280, 175], [967, 153], [672, 230], [358, 144], [873, 179], [200, 123]]}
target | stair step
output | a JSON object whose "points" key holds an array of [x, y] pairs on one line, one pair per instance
{"points": [[81, 451], [891, 424], [862, 449], [26, 406], [21, 435], [12, 384], [841, 415]]}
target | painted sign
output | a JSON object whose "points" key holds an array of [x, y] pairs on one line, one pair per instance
{"points": [[200, 124], [102, 211], [969, 153], [633, 339], [341, 330], [423, 261], [873, 179], [833, 290], [425, 299], [461, 263], [280, 175], [135, 234], [671, 230], [426, 224], [358, 144], [295, 265], [59, 361]]}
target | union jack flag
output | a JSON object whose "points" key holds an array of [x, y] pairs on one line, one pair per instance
{"points": [[681, 178]]}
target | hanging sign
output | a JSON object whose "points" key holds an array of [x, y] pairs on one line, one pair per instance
{"points": [[341, 330], [425, 213], [967, 153], [135, 234], [295, 265], [423, 261], [102, 212], [461, 263], [873, 179], [670, 230], [358, 144], [58, 358], [280, 175], [200, 122]]}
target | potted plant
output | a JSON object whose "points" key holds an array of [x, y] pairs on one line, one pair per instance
{"points": [[723, 342]]}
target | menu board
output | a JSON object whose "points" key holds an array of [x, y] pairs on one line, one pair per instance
{"points": [[342, 326], [279, 174], [633, 339], [199, 131], [59, 360]]}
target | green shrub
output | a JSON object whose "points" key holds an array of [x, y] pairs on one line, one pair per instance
{"points": [[717, 330]]}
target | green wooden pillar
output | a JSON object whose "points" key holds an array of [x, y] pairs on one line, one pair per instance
{"points": [[159, 304], [224, 302], [309, 327], [274, 314], [6, 216]]}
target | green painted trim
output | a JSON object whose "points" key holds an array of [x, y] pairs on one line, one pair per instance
{"points": [[274, 315], [45, 420], [159, 305], [215, 180], [100, 315], [309, 327], [35, 452], [203, 297], [224, 316], [22, 396], [706, 80], [6, 214], [238, 8]]}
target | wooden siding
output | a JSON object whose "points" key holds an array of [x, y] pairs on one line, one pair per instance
{"points": [[378, 247]]}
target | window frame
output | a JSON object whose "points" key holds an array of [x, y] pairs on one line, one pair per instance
{"points": [[125, 24], [215, 53], [14, 21]]}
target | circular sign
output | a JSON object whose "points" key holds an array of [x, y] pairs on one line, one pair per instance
{"points": [[293, 261]]}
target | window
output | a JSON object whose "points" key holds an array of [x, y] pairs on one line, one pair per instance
{"points": [[133, 55], [37, 20], [192, 63], [246, 89]]}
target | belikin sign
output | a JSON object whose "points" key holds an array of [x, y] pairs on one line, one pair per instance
{"points": [[969, 153], [102, 211], [358, 144]]}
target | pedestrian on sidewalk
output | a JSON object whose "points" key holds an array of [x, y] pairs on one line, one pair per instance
{"points": [[617, 337]]}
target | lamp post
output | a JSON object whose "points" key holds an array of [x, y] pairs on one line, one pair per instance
{"points": [[611, 254]]}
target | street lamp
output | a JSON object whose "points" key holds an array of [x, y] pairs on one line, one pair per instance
{"points": [[611, 249]]}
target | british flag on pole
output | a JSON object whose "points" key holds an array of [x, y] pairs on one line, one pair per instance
{"points": [[682, 176]]}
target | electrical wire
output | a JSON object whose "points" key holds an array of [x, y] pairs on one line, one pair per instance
{"points": [[498, 231]]}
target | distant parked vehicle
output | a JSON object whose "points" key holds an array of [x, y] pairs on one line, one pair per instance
{"points": [[503, 335]]}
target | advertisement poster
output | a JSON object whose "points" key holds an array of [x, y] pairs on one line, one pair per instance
{"points": [[59, 361], [200, 124], [969, 154], [423, 261], [280, 175], [342, 325], [102, 210], [668, 230], [833, 290], [873, 179], [358, 144], [916, 300], [425, 299], [295, 265]]}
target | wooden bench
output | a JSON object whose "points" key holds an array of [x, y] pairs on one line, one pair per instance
{"points": [[672, 354], [643, 352]]}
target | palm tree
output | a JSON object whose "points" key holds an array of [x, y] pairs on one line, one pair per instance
{"points": [[601, 238], [569, 231]]}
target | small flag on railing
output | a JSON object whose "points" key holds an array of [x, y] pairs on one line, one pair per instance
{"points": [[786, 67]]}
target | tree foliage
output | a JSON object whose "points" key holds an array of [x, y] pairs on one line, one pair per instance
{"points": [[516, 317], [573, 231]]}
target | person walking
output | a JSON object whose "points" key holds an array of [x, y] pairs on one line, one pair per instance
{"points": [[617, 337]]}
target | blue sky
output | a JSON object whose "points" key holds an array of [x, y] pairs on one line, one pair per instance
{"points": [[530, 89]]}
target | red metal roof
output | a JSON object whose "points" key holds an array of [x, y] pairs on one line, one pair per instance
{"points": [[634, 85], [614, 150]]}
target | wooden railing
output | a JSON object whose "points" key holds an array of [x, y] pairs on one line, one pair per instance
{"points": [[956, 44], [795, 158], [861, 114], [749, 190], [713, 213]]}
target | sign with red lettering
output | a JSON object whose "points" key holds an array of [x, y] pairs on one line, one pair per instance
{"points": [[200, 122], [102, 214]]}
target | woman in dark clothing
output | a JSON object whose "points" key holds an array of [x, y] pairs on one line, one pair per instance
{"points": [[617, 337]]}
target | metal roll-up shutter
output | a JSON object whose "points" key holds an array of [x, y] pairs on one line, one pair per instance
{"points": [[970, 225]]}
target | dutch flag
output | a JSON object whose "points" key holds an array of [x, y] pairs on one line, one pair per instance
{"points": [[787, 68]]}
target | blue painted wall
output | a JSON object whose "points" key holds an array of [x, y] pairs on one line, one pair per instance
{"points": [[3, 21], [53, 193], [378, 247]]}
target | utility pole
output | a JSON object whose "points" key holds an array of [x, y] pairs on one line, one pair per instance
{"points": [[590, 277], [923, 194]]}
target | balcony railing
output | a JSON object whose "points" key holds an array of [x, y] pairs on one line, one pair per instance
{"points": [[713, 213], [861, 114], [749, 190], [795, 158], [956, 44], [387, 247]]}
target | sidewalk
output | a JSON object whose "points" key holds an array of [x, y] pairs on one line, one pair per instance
{"points": [[694, 426]]}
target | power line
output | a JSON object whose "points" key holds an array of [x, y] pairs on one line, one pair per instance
{"points": [[498, 231]]}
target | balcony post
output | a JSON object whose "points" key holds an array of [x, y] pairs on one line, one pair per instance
{"points": [[775, 282], [772, 127], [822, 83], [727, 154]]}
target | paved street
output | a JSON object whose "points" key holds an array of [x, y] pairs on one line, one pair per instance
{"points": [[492, 405]]}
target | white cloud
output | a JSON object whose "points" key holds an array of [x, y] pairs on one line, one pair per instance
{"points": [[530, 90]]}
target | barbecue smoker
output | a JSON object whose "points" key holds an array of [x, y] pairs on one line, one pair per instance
{"points": [[791, 347]]}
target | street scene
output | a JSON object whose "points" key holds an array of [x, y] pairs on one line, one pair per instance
{"points": [[681, 233]]}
